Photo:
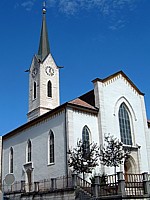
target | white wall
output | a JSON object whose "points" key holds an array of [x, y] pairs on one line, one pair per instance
{"points": [[76, 121], [38, 134], [109, 96]]}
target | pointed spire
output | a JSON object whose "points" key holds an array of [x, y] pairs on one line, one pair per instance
{"points": [[44, 48]]}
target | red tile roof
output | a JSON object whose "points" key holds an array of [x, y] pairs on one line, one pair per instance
{"points": [[80, 102]]}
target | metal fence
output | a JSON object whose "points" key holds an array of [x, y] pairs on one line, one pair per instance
{"points": [[18, 186], [134, 184], [108, 185], [85, 185], [39, 186]]}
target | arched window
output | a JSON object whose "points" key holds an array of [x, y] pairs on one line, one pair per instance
{"points": [[34, 90], [124, 122], [11, 160], [51, 147], [29, 151], [86, 140], [49, 89]]}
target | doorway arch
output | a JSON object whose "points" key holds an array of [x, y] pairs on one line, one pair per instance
{"points": [[129, 166]]}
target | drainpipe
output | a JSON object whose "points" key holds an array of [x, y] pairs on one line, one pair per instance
{"points": [[66, 142]]}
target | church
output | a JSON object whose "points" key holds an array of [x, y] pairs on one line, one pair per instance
{"points": [[38, 149]]}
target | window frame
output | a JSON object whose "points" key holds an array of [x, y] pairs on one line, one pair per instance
{"points": [[49, 89], [125, 125], [86, 139], [29, 151], [11, 160], [51, 148], [34, 90]]}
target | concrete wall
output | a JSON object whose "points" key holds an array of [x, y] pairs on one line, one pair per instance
{"points": [[55, 195]]}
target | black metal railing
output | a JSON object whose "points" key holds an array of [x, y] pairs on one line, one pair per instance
{"points": [[128, 184], [85, 185], [42, 185]]}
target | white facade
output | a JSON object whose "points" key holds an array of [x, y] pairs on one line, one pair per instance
{"points": [[109, 95], [38, 134], [67, 127]]}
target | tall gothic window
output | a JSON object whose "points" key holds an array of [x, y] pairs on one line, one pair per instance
{"points": [[11, 159], [124, 122], [51, 147], [49, 89], [34, 90], [86, 140], [29, 151]]}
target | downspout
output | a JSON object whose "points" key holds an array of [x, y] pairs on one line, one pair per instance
{"points": [[1, 151], [66, 143]]}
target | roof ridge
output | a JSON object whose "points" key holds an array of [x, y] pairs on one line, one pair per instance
{"points": [[116, 74]]}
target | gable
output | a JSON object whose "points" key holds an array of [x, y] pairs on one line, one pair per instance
{"points": [[119, 75]]}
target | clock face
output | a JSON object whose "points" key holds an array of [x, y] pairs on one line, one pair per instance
{"points": [[34, 72], [49, 71]]}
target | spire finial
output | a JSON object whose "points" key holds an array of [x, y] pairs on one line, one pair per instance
{"points": [[44, 48], [44, 7]]}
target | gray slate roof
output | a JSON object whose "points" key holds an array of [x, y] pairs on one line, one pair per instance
{"points": [[44, 48]]}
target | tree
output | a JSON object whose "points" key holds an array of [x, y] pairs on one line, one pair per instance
{"points": [[84, 158], [113, 153]]}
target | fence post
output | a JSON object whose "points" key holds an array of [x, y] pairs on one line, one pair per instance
{"points": [[146, 183], [36, 186], [74, 179], [53, 183], [23, 186], [96, 186], [121, 183]]}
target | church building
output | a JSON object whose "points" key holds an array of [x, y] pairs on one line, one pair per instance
{"points": [[38, 149]]}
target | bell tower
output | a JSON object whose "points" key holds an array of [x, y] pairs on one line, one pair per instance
{"points": [[43, 78]]}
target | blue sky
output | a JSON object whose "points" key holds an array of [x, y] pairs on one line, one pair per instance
{"points": [[90, 38]]}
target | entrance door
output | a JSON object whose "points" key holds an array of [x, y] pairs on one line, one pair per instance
{"points": [[129, 167]]}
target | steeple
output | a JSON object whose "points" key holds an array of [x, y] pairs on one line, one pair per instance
{"points": [[44, 48], [43, 78]]}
